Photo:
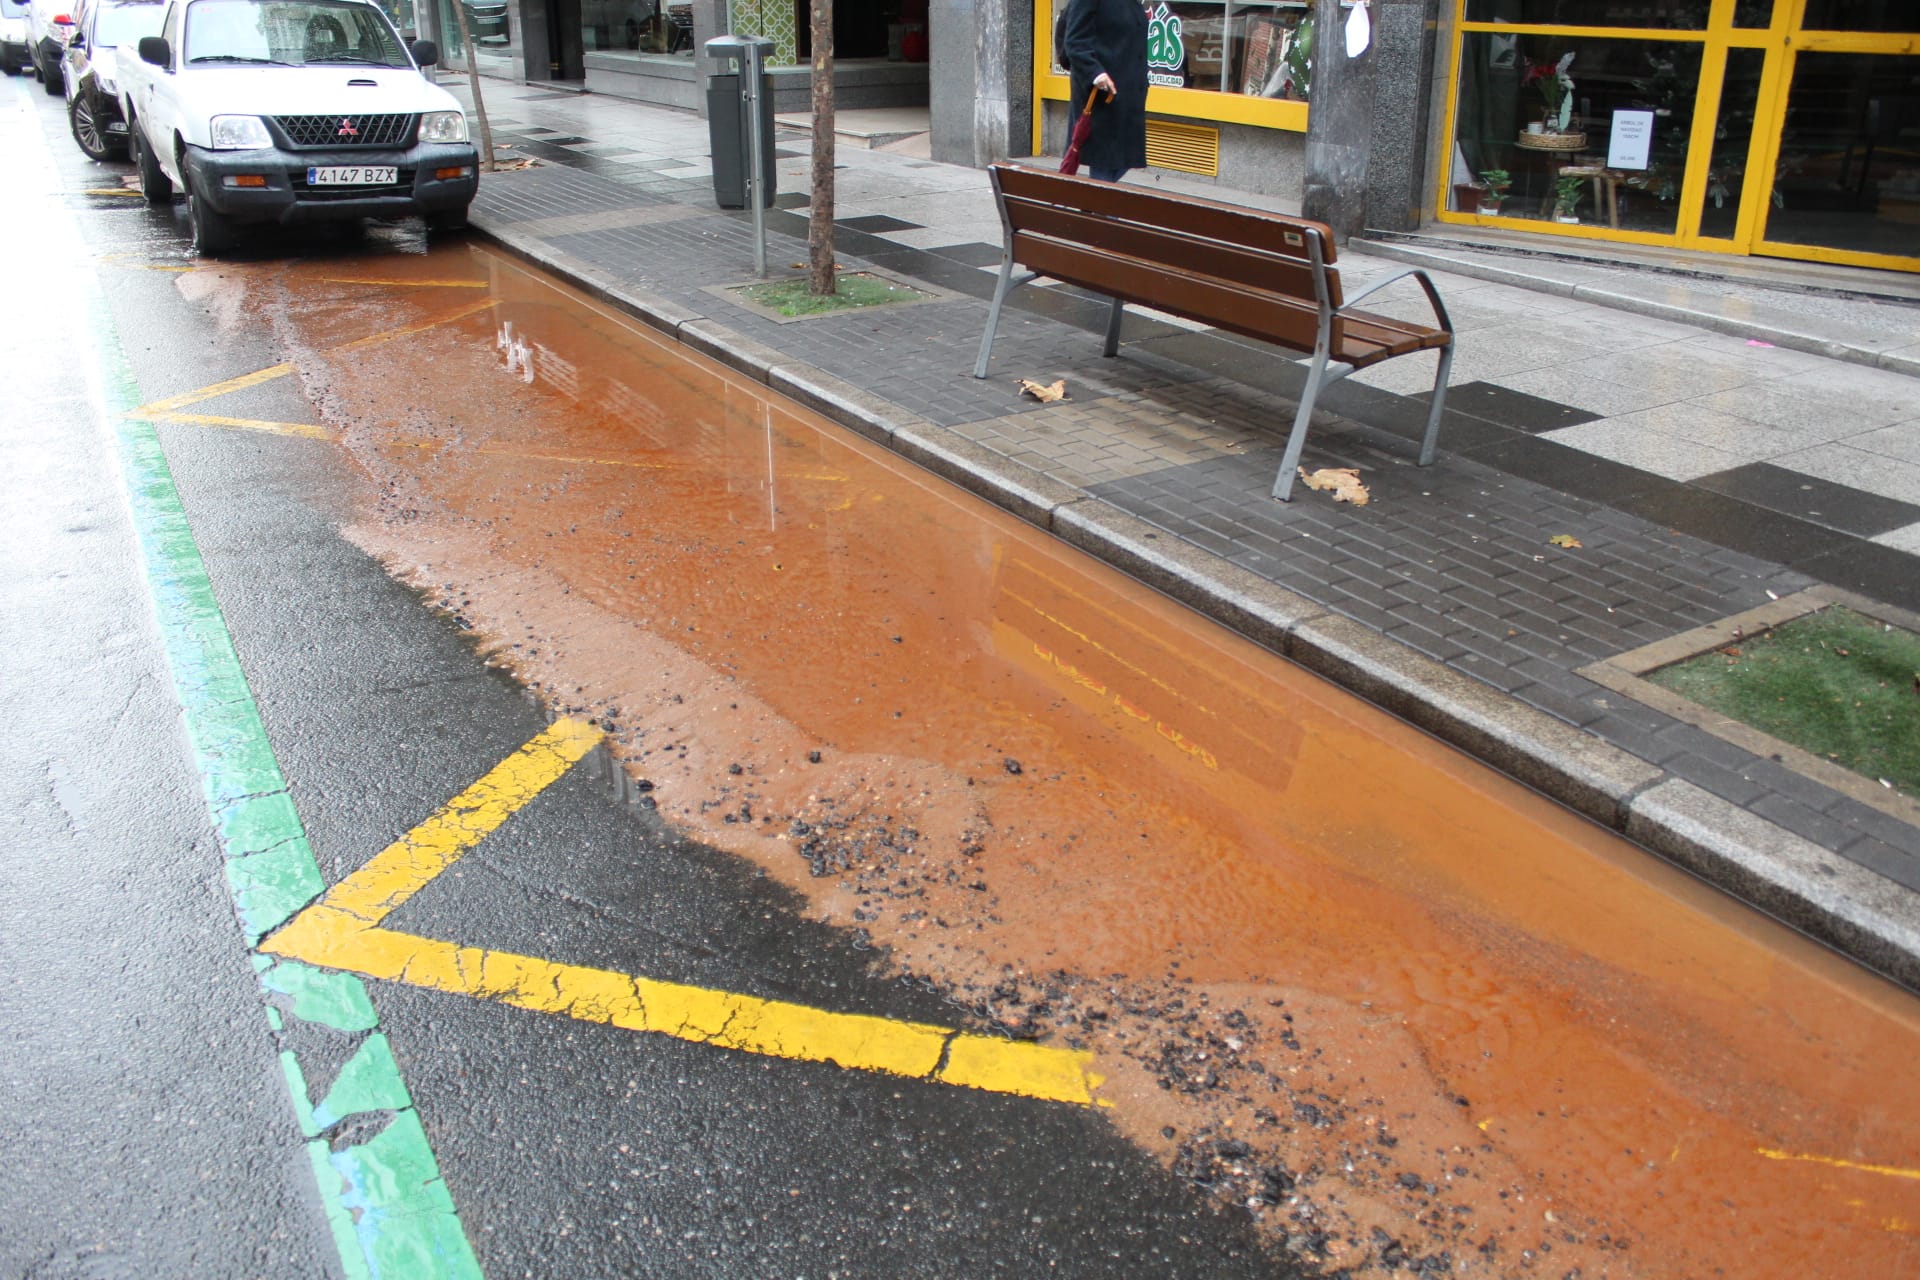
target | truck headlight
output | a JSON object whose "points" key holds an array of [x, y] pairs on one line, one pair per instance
{"points": [[443, 126], [240, 133]]}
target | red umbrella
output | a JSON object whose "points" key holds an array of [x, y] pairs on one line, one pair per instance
{"points": [[1082, 130]]}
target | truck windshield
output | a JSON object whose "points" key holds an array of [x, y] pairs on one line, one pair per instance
{"points": [[290, 33], [125, 23]]}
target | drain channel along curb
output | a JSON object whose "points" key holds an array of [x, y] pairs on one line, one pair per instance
{"points": [[1856, 911]]}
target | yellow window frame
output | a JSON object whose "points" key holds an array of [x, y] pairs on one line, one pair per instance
{"points": [[1781, 40], [1185, 104]]}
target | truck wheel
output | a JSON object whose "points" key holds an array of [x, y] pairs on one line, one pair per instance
{"points": [[213, 231], [154, 184], [446, 219], [87, 131]]}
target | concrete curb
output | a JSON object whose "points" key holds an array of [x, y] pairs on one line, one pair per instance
{"points": [[1850, 908], [1776, 332]]}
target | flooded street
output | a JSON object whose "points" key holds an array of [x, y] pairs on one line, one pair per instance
{"points": [[1401, 1009]]}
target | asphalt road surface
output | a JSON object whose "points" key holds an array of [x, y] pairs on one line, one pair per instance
{"points": [[490, 796]]}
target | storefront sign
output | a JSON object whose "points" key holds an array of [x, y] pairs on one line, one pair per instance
{"points": [[1631, 140], [1166, 52]]}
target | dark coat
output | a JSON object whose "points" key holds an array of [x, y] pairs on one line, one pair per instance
{"points": [[1110, 36]]}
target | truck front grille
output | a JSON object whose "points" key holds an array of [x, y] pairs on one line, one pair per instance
{"points": [[391, 130]]}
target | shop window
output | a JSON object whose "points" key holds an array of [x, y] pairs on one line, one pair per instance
{"points": [[495, 42], [1256, 48], [644, 26], [1667, 15], [1861, 15], [1578, 129]]}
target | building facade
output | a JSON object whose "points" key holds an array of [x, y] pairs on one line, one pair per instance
{"points": [[1786, 128]]}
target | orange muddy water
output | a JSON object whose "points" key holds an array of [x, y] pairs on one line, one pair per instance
{"points": [[1400, 1009]]}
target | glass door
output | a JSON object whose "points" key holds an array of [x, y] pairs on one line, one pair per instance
{"points": [[1845, 170]]}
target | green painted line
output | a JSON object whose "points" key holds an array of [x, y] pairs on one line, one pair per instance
{"points": [[388, 1209], [337, 1000]]}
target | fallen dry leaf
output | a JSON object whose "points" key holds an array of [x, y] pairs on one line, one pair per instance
{"points": [[1044, 394], [1566, 540], [1343, 481]]}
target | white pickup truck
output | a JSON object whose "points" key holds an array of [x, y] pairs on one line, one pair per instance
{"points": [[293, 111]]}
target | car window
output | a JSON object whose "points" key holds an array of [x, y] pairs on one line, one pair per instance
{"points": [[119, 24], [290, 33]]}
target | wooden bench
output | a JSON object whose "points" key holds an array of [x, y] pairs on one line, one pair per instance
{"points": [[1260, 275]]}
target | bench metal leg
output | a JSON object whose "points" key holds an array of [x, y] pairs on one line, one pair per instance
{"points": [[993, 315], [1113, 330], [1434, 409], [1297, 439]]}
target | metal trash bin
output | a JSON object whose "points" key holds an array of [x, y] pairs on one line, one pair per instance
{"points": [[728, 131]]}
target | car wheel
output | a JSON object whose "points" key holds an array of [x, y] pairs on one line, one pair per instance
{"points": [[154, 183], [213, 231], [446, 219], [86, 129]]}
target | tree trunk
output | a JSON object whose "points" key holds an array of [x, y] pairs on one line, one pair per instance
{"points": [[473, 78], [820, 197]]}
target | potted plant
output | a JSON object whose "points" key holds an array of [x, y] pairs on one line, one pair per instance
{"points": [[1493, 189], [1556, 130], [1568, 192]]}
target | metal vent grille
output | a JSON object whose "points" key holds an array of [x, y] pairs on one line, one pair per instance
{"points": [[1190, 148], [347, 130]]}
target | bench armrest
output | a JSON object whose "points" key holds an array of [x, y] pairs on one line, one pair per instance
{"points": [[1426, 283]]}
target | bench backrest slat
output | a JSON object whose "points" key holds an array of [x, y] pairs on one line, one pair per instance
{"points": [[1108, 215], [1194, 254], [1251, 312]]}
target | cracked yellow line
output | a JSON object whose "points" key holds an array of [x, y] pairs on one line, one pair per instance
{"points": [[1886, 1170], [306, 429], [268, 374], [404, 867], [342, 931]]}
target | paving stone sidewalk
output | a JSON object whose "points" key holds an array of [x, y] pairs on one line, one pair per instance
{"points": [[1443, 599]]}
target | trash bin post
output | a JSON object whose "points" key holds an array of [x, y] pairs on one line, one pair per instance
{"points": [[740, 131], [751, 85]]}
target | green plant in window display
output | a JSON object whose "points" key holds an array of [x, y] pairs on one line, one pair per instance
{"points": [[1568, 192], [1556, 90]]}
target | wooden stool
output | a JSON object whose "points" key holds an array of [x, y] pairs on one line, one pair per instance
{"points": [[1603, 177]]}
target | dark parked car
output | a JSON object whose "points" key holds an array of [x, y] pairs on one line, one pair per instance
{"points": [[487, 20], [107, 30]]}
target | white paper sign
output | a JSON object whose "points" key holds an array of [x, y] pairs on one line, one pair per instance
{"points": [[1359, 30], [1631, 140]]}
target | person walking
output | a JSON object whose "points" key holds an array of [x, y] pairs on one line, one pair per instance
{"points": [[1104, 45]]}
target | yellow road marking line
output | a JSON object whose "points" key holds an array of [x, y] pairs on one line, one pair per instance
{"points": [[1888, 1170], [400, 870], [458, 313], [186, 398], [254, 379], [429, 284], [306, 429], [109, 191], [342, 931]]}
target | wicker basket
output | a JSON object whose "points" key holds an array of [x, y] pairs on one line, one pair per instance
{"points": [[1574, 141]]}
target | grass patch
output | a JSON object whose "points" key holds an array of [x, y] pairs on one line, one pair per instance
{"points": [[851, 289], [1833, 683]]}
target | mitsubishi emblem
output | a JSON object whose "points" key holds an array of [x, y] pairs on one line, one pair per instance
{"points": [[347, 130]]}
